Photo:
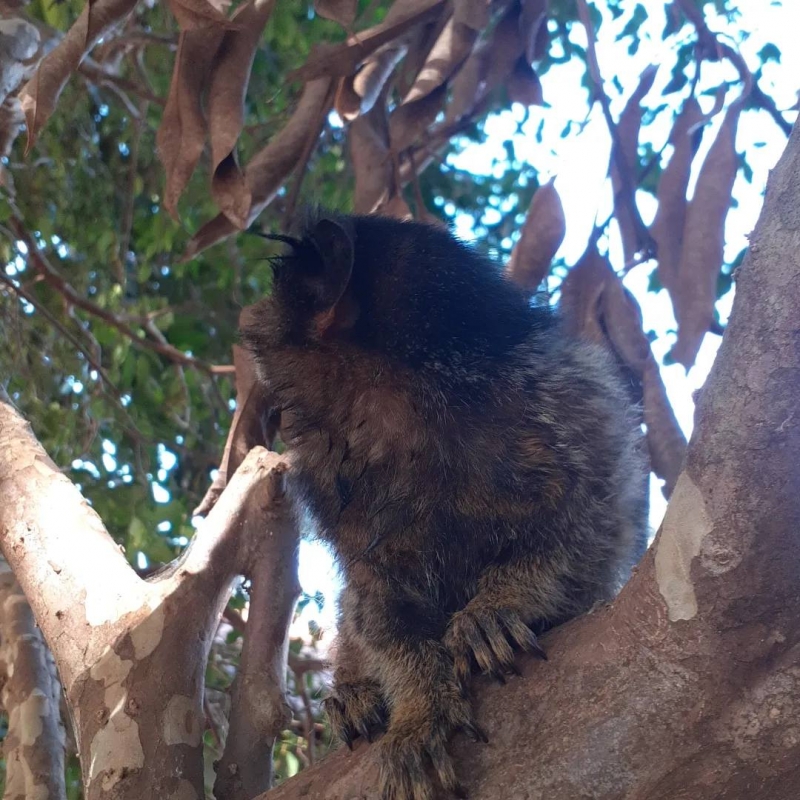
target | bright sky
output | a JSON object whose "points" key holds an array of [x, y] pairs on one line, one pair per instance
{"points": [[579, 163]]}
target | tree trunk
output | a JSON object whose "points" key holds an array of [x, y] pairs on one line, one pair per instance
{"points": [[688, 685]]}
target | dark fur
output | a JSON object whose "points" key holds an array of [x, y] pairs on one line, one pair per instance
{"points": [[474, 469]]}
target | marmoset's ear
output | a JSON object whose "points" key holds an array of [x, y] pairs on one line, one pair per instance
{"points": [[338, 309], [334, 245]]}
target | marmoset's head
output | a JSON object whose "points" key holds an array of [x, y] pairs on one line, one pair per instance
{"points": [[406, 290]]}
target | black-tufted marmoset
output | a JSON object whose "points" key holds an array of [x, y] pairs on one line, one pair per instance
{"points": [[475, 470]]}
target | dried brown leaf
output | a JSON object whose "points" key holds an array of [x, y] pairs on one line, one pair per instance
{"points": [[410, 121], [542, 235], [182, 134], [622, 320], [505, 48], [269, 168], [40, 94], [357, 93], [581, 292], [372, 163], [342, 11], [628, 136], [665, 439], [227, 87], [468, 84], [195, 14], [667, 227], [524, 86], [532, 20], [343, 59], [473, 13], [704, 241], [448, 53], [396, 207], [419, 41]]}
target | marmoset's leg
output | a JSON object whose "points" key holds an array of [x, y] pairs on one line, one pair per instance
{"points": [[356, 706], [509, 599]]}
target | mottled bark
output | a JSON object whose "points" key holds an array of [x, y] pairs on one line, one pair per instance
{"points": [[688, 685], [259, 711], [131, 653], [34, 745]]}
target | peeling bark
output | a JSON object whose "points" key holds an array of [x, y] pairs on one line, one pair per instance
{"points": [[259, 711], [131, 653], [34, 746], [688, 685]]}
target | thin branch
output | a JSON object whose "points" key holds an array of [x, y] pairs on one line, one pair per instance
{"points": [[90, 359], [259, 711], [627, 191], [710, 44], [54, 278]]}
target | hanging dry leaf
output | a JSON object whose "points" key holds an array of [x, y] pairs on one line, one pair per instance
{"points": [[628, 137], [524, 86], [532, 20], [542, 235], [468, 83], [195, 14], [448, 53], [40, 95], [505, 48], [581, 292], [622, 320], [396, 207], [253, 424], [341, 11], [182, 134], [270, 168], [343, 59], [372, 163], [357, 93], [667, 227], [410, 121], [665, 439], [419, 41], [227, 88], [473, 13], [704, 241]]}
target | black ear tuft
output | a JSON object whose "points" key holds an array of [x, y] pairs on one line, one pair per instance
{"points": [[333, 241]]}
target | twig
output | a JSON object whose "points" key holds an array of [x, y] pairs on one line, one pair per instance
{"points": [[710, 43], [52, 276], [305, 156], [126, 223], [90, 359], [308, 721], [646, 243]]}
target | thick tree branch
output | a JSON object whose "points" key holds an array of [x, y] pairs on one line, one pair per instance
{"points": [[131, 653], [34, 745], [259, 711], [698, 660], [42, 516]]}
